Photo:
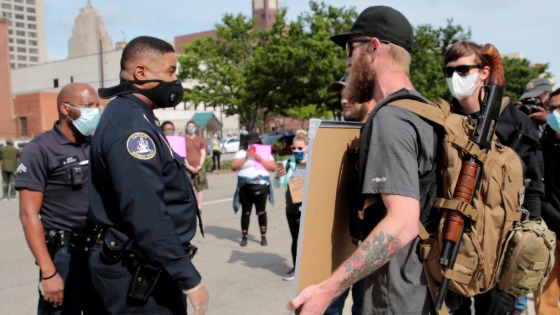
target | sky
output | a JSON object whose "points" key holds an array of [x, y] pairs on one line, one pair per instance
{"points": [[513, 26]]}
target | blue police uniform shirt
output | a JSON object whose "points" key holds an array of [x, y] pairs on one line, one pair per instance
{"points": [[43, 167], [140, 187]]}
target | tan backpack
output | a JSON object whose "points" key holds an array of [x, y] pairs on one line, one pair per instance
{"points": [[495, 208]]}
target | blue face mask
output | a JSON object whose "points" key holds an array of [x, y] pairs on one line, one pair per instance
{"points": [[88, 120], [553, 120], [298, 155]]}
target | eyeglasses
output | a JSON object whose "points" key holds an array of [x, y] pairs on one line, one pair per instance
{"points": [[298, 148], [350, 47], [461, 70], [84, 105]]}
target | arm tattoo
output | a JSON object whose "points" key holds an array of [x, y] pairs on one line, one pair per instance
{"points": [[373, 255]]}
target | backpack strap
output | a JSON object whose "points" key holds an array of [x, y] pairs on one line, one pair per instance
{"points": [[454, 204], [435, 113]]}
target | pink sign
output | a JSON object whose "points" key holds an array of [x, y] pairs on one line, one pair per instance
{"points": [[264, 151], [178, 145]]}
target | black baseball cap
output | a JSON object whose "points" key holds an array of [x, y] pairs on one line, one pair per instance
{"points": [[382, 22]]}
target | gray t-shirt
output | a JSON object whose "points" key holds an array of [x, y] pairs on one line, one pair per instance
{"points": [[401, 151]]}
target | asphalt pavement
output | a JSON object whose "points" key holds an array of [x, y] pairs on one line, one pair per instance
{"points": [[241, 280]]}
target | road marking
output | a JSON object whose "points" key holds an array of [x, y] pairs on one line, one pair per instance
{"points": [[216, 201]]}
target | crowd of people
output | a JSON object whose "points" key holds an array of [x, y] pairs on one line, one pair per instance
{"points": [[109, 210]]}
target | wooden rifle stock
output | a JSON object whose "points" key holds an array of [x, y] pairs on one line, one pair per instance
{"points": [[469, 176]]}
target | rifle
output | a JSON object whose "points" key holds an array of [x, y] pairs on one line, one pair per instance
{"points": [[469, 176]]}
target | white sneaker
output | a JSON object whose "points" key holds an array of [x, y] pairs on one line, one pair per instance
{"points": [[289, 275], [4, 199]]}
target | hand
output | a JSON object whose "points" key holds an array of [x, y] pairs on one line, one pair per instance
{"points": [[312, 300], [540, 115], [53, 290], [280, 171], [199, 299], [197, 169]]}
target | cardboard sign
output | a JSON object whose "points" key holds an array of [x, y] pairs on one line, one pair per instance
{"points": [[178, 144], [264, 151], [324, 238], [296, 188]]}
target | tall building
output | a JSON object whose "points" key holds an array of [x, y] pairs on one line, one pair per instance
{"points": [[264, 13], [88, 35], [26, 31]]}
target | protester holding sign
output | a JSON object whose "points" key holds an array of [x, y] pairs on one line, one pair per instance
{"points": [[253, 164], [290, 174]]}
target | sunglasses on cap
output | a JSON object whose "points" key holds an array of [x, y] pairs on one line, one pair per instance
{"points": [[298, 148], [350, 47], [461, 70]]}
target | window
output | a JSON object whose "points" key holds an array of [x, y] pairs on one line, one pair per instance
{"points": [[22, 58], [32, 34], [12, 57], [12, 65], [21, 49], [55, 83], [10, 40], [11, 48], [6, 6], [20, 41], [10, 32], [18, 1], [34, 59], [32, 42], [20, 24], [30, 1], [20, 33], [33, 51], [31, 26], [23, 126], [30, 10], [18, 7], [19, 16], [31, 18]]}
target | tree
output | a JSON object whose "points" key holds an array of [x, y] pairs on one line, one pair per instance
{"points": [[254, 72], [518, 72]]}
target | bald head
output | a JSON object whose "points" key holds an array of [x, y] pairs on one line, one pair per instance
{"points": [[77, 95]]}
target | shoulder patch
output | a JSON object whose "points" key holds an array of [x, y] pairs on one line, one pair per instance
{"points": [[141, 146]]}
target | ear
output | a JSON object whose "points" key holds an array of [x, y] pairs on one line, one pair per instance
{"points": [[484, 73], [376, 45], [63, 107], [140, 72]]}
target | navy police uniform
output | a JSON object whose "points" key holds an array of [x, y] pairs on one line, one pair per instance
{"points": [[58, 168], [140, 188]]}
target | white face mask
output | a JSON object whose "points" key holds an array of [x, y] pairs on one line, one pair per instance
{"points": [[462, 87]]}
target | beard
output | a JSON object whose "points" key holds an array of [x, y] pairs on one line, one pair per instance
{"points": [[361, 84]]}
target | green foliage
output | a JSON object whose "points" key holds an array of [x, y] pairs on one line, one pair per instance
{"points": [[286, 70], [208, 164], [518, 72]]}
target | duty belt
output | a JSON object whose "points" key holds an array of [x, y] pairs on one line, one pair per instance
{"points": [[78, 242], [132, 248]]}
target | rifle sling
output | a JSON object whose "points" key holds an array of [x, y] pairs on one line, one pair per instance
{"points": [[454, 204]]}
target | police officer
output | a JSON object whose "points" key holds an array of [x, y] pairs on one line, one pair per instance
{"points": [[52, 179], [141, 197]]}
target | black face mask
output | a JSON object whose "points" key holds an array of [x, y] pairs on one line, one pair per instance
{"points": [[165, 94]]}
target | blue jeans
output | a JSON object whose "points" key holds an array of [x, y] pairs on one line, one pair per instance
{"points": [[337, 305], [521, 303]]}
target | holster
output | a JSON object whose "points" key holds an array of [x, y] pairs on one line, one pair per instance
{"points": [[143, 282], [53, 242], [114, 245]]}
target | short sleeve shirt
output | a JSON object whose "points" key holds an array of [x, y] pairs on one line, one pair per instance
{"points": [[194, 146], [44, 166], [402, 150], [248, 168]]}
